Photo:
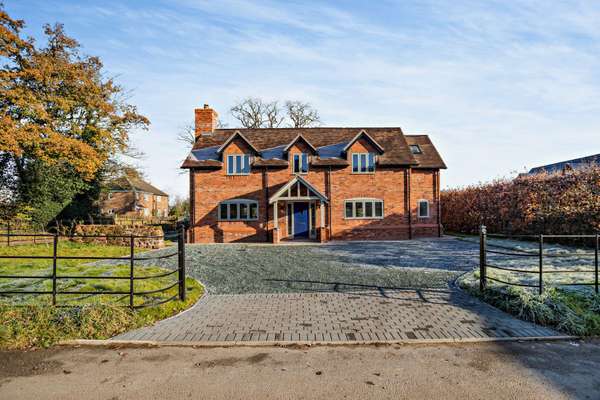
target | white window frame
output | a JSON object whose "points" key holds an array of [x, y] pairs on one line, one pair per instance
{"points": [[359, 163], [419, 208], [363, 201], [232, 160], [302, 163], [237, 204]]}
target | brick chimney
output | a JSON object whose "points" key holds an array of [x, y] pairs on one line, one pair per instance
{"points": [[205, 121]]}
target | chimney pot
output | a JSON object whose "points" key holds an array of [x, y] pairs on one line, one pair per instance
{"points": [[205, 121]]}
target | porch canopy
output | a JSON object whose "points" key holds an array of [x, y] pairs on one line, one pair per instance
{"points": [[298, 189]]}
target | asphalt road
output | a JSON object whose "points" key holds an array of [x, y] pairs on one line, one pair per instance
{"points": [[527, 370]]}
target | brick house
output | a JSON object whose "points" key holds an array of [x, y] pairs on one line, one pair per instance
{"points": [[269, 185], [133, 197]]}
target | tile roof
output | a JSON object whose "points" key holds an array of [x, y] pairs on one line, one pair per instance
{"points": [[576, 163], [329, 142], [130, 183]]}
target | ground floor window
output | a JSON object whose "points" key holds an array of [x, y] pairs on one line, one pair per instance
{"points": [[423, 209], [364, 209], [238, 210]]}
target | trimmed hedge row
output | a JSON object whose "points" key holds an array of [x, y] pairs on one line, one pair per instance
{"points": [[560, 203]]}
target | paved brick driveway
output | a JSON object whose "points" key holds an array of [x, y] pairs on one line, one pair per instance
{"points": [[384, 315], [361, 291]]}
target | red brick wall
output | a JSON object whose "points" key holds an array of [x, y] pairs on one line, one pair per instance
{"points": [[388, 184]]}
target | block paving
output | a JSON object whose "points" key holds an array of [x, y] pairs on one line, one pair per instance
{"points": [[373, 315]]}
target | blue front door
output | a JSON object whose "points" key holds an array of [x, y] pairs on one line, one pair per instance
{"points": [[300, 219]]}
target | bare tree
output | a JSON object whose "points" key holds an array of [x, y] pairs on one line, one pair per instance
{"points": [[249, 112], [302, 114], [272, 115], [253, 112], [187, 134]]}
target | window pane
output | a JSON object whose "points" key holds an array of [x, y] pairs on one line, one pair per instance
{"points": [[423, 209], [369, 209], [348, 209], [230, 164], [238, 164], [359, 210], [371, 163], [223, 211], [253, 211], [354, 162], [296, 166], [363, 163], [304, 163], [233, 211], [243, 211], [378, 209], [246, 164]]}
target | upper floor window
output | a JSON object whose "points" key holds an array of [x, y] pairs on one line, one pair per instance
{"points": [[238, 210], [415, 149], [300, 163], [364, 208], [363, 163], [423, 209], [238, 164]]}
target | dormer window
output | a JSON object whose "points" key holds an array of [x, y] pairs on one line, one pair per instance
{"points": [[363, 163], [415, 149], [300, 163], [238, 164]]}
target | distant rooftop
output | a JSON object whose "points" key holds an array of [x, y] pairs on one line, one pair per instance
{"points": [[576, 163]]}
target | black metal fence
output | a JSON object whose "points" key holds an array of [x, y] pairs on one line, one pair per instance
{"points": [[131, 258], [485, 266]]}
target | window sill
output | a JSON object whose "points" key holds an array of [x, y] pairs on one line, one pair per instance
{"points": [[363, 173], [238, 220], [238, 174], [359, 218]]}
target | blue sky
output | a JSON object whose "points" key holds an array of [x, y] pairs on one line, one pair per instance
{"points": [[499, 86]]}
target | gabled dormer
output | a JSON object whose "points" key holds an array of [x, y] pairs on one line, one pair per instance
{"points": [[362, 152], [298, 152], [236, 153]]}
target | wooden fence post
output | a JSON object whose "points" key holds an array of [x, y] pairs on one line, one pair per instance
{"points": [[54, 262], [181, 262], [482, 258], [541, 286], [131, 262], [8, 233]]}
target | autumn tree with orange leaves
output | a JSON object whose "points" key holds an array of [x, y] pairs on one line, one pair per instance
{"points": [[61, 120]]}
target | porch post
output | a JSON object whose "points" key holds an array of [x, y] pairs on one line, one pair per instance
{"points": [[322, 233], [322, 212], [275, 223]]}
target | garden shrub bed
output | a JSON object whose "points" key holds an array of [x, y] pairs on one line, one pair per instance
{"points": [[154, 235]]}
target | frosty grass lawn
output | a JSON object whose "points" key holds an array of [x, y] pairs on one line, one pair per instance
{"points": [[29, 321]]}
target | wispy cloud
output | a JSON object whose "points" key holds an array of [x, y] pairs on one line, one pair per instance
{"points": [[490, 81]]}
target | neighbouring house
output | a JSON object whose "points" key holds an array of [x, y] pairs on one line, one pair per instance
{"points": [[565, 166], [268, 185], [133, 197]]}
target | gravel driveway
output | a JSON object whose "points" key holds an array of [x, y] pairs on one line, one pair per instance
{"points": [[339, 266]]}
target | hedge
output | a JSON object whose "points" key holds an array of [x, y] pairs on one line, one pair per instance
{"points": [[560, 203]]}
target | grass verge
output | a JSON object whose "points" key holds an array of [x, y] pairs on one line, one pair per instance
{"points": [[28, 321], [572, 312]]}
